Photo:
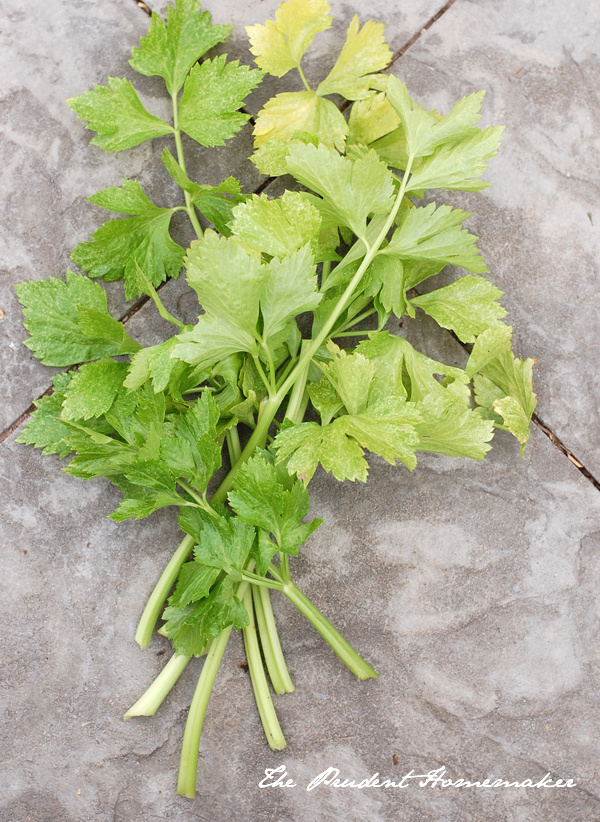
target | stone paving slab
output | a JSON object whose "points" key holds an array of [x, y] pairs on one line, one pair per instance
{"points": [[473, 588], [539, 63]]}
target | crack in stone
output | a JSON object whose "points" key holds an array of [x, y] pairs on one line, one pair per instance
{"points": [[421, 32], [144, 7]]}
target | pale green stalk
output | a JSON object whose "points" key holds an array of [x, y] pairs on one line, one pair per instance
{"points": [[188, 764], [266, 710], [152, 699], [269, 638], [189, 205], [331, 635], [154, 606]]}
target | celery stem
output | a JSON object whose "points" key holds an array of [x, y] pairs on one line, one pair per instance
{"points": [[153, 697], [266, 710], [269, 638]]}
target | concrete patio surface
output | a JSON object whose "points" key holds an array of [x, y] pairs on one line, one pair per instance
{"points": [[473, 588]]}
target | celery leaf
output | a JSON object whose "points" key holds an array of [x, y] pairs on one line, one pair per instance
{"points": [[69, 323], [364, 52], [212, 95], [117, 115], [170, 49], [259, 498], [279, 46], [468, 306], [119, 246]]}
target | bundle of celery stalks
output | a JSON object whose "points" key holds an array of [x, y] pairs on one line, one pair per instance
{"points": [[345, 254]]}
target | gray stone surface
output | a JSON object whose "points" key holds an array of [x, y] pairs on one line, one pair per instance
{"points": [[473, 588], [539, 64]]}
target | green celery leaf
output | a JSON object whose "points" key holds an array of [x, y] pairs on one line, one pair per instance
{"points": [[231, 285], [166, 373], [350, 375], [192, 626], [388, 282], [170, 49], [140, 500], [118, 247], [226, 279], [451, 428], [149, 417], [225, 544], [193, 520], [278, 46], [217, 203], [515, 418], [364, 52], [507, 382], [118, 116], [153, 363], [392, 149], [458, 167], [93, 389], [325, 399], [153, 474], [228, 282], [212, 95], [308, 443], [424, 130], [485, 393], [136, 418], [351, 190], [291, 112], [290, 287], [194, 583], [69, 321], [388, 375], [95, 458], [44, 428], [189, 445], [271, 157], [371, 119], [101, 325], [491, 344], [468, 306], [386, 427], [417, 122], [394, 355], [343, 273], [434, 235], [259, 498], [263, 551], [276, 227], [415, 271], [244, 411], [211, 340]]}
